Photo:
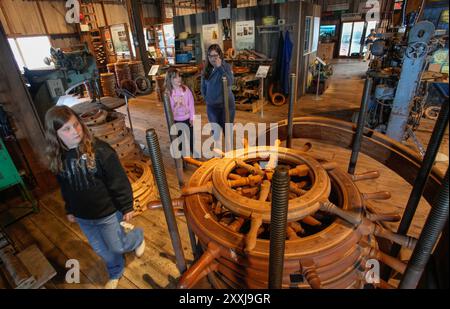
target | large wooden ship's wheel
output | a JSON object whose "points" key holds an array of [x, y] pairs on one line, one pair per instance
{"points": [[330, 233]]}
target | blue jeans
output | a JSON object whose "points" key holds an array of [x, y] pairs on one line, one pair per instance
{"points": [[216, 114], [110, 242]]}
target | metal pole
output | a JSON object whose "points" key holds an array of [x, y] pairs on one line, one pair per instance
{"points": [[292, 98], [423, 173], [164, 193], [430, 233], [360, 125], [262, 97], [128, 113], [170, 122], [317, 98], [227, 113], [278, 224], [225, 99]]}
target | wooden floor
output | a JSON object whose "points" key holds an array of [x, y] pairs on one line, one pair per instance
{"points": [[60, 240]]}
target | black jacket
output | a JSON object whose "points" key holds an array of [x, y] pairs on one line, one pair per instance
{"points": [[96, 193]]}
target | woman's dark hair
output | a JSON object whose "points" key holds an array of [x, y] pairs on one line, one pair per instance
{"points": [[209, 68]]}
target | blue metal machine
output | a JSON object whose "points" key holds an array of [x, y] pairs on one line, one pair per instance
{"points": [[73, 69], [412, 66]]}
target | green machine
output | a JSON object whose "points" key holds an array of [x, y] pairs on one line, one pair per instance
{"points": [[10, 177]]}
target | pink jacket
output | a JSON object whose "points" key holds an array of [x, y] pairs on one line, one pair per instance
{"points": [[182, 103]]}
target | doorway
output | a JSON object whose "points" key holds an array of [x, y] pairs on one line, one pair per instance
{"points": [[351, 39]]}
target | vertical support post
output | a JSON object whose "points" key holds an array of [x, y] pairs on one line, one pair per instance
{"points": [[278, 224], [135, 8], [225, 99], [262, 99], [128, 113], [317, 97], [433, 226], [360, 125], [166, 201], [170, 122], [227, 114], [292, 98]]}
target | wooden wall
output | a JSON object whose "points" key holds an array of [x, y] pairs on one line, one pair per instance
{"points": [[27, 18], [22, 18]]}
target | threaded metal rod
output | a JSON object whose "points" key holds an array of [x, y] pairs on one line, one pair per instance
{"points": [[292, 98], [360, 125], [430, 233], [422, 174], [164, 193], [278, 224]]}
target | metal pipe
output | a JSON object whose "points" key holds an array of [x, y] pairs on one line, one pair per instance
{"points": [[422, 174], [164, 193], [360, 125], [170, 122], [433, 226], [128, 113], [292, 97], [225, 99], [318, 83], [278, 225], [227, 114]]}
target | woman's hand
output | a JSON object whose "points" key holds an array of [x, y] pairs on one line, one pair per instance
{"points": [[217, 62], [127, 217], [71, 218]]}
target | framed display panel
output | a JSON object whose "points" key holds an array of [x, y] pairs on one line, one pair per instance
{"points": [[120, 39]]}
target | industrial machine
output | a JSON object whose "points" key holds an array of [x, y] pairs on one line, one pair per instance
{"points": [[401, 82], [72, 71]]}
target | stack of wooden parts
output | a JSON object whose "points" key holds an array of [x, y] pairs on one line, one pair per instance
{"points": [[110, 127], [108, 83], [141, 178]]}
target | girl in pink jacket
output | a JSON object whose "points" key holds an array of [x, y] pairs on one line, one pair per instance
{"points": [[182, 103]]}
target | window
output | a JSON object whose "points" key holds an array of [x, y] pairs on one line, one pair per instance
{"points": [[308, 34], [166, 41], [315, 41], [30, 52]]}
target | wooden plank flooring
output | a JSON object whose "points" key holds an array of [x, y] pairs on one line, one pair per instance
{"points": [[61, 240]]}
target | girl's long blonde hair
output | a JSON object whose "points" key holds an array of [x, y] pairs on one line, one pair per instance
{"points": [[171, 74], [55, 118]]}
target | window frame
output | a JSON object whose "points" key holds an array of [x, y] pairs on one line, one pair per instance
{"points": [[20, 53]]}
